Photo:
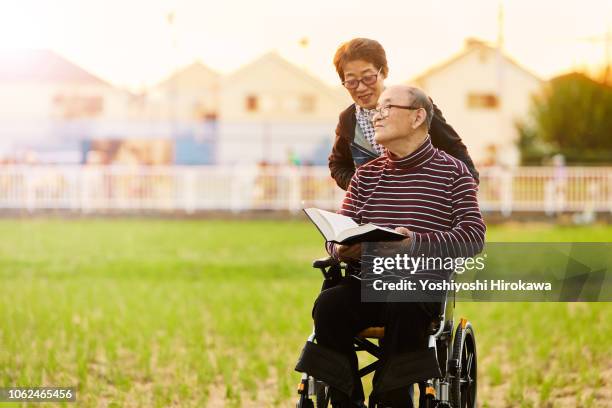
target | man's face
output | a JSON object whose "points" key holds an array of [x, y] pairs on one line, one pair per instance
{"points": [[364, 95], [398, 123]]}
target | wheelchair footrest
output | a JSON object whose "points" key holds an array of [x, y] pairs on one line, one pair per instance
{"points": [[407, 368], [326, 365]]}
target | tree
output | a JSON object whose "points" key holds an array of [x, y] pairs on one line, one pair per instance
{"points": [[571, 116]]}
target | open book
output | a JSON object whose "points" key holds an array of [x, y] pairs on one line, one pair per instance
{"points": [[343, 230]]}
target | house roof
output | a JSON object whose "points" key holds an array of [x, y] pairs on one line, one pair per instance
{"points": [[275, 59], [42, 66], [196, 71], [471, 45]]}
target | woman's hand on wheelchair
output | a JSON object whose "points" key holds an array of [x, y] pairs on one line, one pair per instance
{"points": [[348, 253]]}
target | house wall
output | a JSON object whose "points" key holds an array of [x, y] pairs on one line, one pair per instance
{"points": [[283, 92], [42, 115], [274, 142], [192, 93], [483, 71], [295, 115]]}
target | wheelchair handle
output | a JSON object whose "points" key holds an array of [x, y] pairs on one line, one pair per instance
{"points": [[324, 262]]}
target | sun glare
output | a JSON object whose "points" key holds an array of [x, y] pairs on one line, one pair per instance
{"points": [[22, 27]]}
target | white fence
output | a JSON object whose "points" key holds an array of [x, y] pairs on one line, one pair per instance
{"points": [[90, 189]]}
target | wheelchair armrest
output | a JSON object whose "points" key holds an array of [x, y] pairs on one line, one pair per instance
{"points": [[324, 262]]}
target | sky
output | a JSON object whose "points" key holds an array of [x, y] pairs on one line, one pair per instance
{"points": [[131, 43]]}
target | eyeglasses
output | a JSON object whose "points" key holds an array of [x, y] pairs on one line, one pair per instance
{"points": [[383, 111], [366, 80]]}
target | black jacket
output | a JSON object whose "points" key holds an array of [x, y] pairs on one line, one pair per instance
{"points": [[341, 160]]}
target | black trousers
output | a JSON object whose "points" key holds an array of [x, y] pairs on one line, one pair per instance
{"points": [[339, 315]]}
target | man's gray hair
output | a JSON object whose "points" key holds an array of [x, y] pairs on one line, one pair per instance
{"points": [[421, 100]]}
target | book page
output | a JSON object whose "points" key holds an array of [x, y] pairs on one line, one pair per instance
{"points": [[338, 222]]}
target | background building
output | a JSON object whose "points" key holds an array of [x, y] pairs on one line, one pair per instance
{"points": [[482, 93], [271, 110], [49, 105], [191, 93]]}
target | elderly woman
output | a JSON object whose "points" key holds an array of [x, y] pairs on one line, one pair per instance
{"points": [[362, 66]]}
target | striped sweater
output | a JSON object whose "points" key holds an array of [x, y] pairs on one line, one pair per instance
{"points": [[429, 192]]}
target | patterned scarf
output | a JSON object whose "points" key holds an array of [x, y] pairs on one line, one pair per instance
{"points": [[363, 119]]}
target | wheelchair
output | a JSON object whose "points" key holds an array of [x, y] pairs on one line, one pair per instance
{"points": [[454, 350]]}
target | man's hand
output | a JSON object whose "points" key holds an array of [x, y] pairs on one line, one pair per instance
{"points": [[404, 231], [347, 253]]}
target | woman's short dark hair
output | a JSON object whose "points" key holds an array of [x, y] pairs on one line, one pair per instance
{"points": [[361, 49]]}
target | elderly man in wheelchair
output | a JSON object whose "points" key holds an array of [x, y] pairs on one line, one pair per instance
{"points": [[430, 197]]}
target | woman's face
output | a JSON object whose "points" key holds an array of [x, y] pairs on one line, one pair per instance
{"points": [[364, 95]]}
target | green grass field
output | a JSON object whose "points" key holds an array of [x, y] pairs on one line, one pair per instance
{"points": [[214, 313]]}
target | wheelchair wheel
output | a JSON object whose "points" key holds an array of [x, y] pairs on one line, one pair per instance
{"points": [[463, 383], [321, 395], [304, 402]]}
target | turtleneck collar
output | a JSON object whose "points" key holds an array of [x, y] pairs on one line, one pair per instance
{"points": [[359, 109], [420, 156]]}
